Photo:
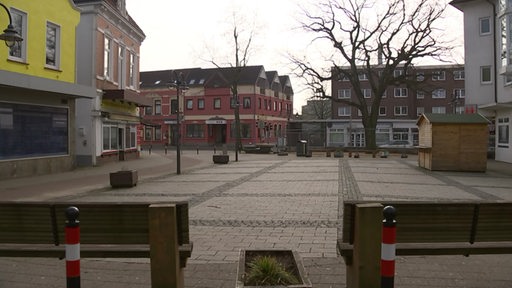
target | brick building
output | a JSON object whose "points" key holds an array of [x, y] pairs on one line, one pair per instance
{"points": [[442, 91], [207, 106]]}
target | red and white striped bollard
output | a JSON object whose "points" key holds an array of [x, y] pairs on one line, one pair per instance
{"points": [[72, 248], [388, 250]]}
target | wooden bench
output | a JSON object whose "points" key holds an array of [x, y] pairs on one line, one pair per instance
{"points": [[107, 230], [423, 228]]}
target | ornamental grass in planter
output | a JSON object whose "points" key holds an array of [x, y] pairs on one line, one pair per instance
{"points": [[266, 268]]}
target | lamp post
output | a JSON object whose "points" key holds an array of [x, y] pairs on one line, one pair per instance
{"points": [[180, 86], [10, 36]]}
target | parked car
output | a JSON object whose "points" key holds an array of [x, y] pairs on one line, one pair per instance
{"points": [[397, 144]]}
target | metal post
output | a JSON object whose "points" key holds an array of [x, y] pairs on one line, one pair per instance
{"points": [[388, 251], [72, 248]]}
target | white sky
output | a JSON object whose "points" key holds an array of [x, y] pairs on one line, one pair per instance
{"points": [[191, 33]]}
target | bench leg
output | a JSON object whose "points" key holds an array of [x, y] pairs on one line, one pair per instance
{"points": [[163, 241], [365, 268]]}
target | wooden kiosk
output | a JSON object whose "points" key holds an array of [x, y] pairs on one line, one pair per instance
{"points": [[453, 142]]}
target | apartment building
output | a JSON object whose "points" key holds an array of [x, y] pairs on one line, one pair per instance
{"points": [[108, 45], [441, 91], [206, 106], [38, 92], [488, 61]]}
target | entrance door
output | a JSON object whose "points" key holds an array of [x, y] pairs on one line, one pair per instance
{"points": [[120, 143], [219, 134], [357, 139]]}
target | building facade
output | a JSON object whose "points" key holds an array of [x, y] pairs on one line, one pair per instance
{"points": [[488, 60], [108, 42], [207, 107], [38, 91], [442, 91]]}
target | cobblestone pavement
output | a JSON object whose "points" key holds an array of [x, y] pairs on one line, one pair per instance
{"points": [[294, 203]]}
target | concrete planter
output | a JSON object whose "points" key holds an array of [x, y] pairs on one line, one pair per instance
{"points": [[124, 178], [221, 159], [290, 259]]}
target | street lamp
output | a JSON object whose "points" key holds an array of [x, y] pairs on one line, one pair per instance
{"points": [[10, 36], [180, 86]]}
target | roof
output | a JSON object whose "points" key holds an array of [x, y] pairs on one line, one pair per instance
{"points": [[436, 118], [213, 77]]}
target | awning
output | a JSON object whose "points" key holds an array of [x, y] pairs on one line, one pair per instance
{"points": [[216, 121], [126, 95], [150, 124]]}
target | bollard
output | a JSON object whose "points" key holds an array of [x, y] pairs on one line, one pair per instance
{"points": [[214, 149], [165, 148], [72, 248], [388, 250], [197, 149]]}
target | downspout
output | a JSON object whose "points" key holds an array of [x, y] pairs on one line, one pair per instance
{"points": [[494, 14]]}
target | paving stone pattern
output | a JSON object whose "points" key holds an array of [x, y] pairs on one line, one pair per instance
{"points": [[289, 203]]}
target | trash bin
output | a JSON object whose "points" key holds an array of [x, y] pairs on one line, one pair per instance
{"points": [[302, 147]]}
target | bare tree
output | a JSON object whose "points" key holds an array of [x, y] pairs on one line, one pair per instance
{"points": [[241, 51], [366, 35]]}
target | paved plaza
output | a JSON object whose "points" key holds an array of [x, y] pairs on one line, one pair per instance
{"points": [[270, 201]]}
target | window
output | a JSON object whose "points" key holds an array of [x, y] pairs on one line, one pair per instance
{"points": [[131, 136], [19, 51], [158, 133], [398, 73], [247, 102], [367, 93], [485, 26], [439, 110], [459, 93], [148, 110], [362, 76], [485, 74], [382, 111], [438, 76], [190, 104], [200, 104], [344, 94], [503, 132], [33, 131], [420, 76], [52, 45], [400, 110], [420, 111], [420, 94], [344, 111], [232, 102], [245, 130], [133, 71], [458, 75], [110, 141], [121, 64], [216, 103], [158, 107], [400, 92], [400, 134], [195, 131], [343, 77], [259, 103], [107, 58], [148, 134], [439, 94], [174, 106]]}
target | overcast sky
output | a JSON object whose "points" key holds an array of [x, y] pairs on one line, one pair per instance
{"points": [[192, 33]]}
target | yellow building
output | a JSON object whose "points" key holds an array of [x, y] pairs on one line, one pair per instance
{"points": [[38, 88]]}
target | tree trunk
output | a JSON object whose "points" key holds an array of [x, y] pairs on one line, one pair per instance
{"points": [[370, 129]]}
